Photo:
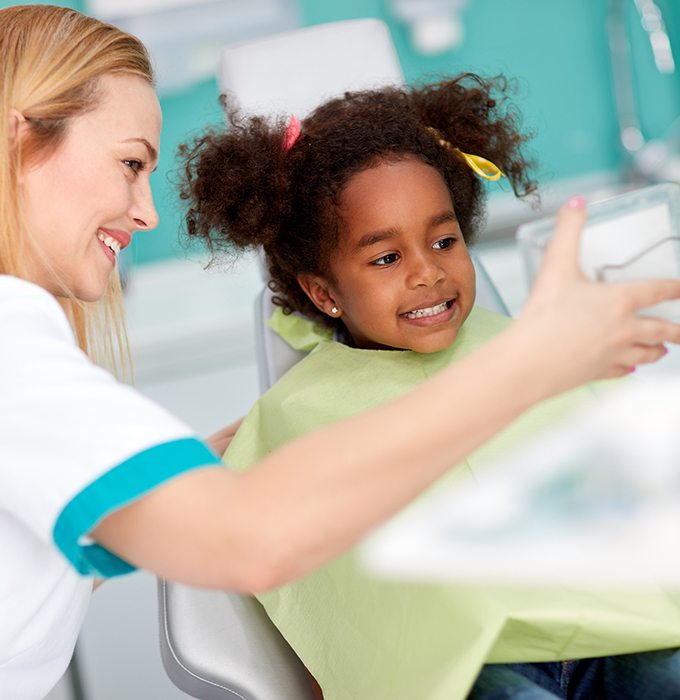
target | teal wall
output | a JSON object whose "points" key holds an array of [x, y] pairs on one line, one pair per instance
{"points": [[556, 49], [75, 4]]}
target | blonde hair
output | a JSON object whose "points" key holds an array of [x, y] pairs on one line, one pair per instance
{"points": [[50, 61]]}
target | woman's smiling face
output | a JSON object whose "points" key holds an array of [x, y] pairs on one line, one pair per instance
{"points": [[83, 202], [402, 275]]}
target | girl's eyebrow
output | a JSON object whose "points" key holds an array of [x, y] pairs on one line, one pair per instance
{"points": [[368, 239], [445, 217]]}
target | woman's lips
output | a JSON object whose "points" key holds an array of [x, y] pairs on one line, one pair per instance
{"points": [[112, 242], [107, 251], [123, 237]]}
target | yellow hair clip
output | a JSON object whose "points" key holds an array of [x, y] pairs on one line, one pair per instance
{"points": [[479, 165]]}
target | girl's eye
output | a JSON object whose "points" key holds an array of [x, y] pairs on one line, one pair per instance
{"points": [[386, 259], [444, 243], [135, 165]]}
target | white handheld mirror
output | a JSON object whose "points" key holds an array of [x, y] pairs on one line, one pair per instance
{"points": [[633, 236]]}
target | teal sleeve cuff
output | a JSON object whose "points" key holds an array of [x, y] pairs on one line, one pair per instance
{"points": [[116, 488]]}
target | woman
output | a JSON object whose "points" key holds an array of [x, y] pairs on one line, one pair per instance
{"points": [[94, 479]]}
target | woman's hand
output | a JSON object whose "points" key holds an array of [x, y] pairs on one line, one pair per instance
{"points": [[222, 438], [592, 330]]}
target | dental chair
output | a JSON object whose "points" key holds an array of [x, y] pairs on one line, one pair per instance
{"points": [[218, 645]]}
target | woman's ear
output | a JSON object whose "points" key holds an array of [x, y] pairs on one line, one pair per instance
{"points": [[17, 123], [320, 294]]}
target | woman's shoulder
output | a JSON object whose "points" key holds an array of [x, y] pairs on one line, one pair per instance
{"points": [[27, 308], [28, 311], [15, 291], [12, 287]]}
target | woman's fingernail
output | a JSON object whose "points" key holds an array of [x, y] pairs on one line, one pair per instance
{"points": [[576, 202], [631, 370]]}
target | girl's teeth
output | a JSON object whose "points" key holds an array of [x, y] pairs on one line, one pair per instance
{"points": [[432, 311], [110, 242]]}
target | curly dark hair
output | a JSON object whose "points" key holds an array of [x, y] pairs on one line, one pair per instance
{"points": [[245, 190]]}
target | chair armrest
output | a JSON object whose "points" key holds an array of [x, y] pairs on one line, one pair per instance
{"points": [[217, 645]]}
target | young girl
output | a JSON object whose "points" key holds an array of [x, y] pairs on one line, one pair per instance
{"points": [[365, 213]]}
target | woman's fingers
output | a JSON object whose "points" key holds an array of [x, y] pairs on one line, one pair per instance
{"points": [[562, 254], [560, 272], [594, 329], [649, 330], [644, 293], [636, 355], [637, 340], [618, 371]]}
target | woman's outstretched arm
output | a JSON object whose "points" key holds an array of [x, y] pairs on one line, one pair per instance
{"points": [[316, 496]]}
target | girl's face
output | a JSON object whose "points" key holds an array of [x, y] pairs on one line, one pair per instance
{"points": [[83, 203], [402, 276]]}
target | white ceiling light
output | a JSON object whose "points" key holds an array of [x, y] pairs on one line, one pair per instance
{"points": [[185, 37], [435, 25]]}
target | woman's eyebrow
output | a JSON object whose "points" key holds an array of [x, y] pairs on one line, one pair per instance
{"points": [[369, 239], [153, 153]]}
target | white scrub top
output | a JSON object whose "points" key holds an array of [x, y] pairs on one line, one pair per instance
{"points": [[75, 445]]}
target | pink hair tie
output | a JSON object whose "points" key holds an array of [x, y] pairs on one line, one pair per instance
{"points": [[291, 133]]}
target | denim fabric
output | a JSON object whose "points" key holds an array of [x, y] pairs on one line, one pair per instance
{"points": [[651, 675]]}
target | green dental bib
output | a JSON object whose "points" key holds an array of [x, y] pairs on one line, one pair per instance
{"points": [[367, 639]]}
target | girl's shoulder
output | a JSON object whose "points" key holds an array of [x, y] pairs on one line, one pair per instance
{"points": [[334, 381], [331, 368], [482, 325]]}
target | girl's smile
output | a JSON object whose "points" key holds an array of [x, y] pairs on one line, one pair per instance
{"points": [[402, 276], [439, 312]]}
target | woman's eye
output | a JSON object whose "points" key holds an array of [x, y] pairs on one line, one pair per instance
{"points": [[386, 259], [444, 243], [135, 165]]}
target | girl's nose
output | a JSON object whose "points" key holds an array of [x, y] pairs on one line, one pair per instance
{"points": [[425, 271]]}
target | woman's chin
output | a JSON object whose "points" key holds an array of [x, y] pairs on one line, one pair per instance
{"points": [[88, 293]]}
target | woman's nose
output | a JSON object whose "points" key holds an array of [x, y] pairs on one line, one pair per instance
{"points": [[143, 210]]}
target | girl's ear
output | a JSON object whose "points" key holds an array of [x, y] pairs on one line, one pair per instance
{"points": [[320, 294]]}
